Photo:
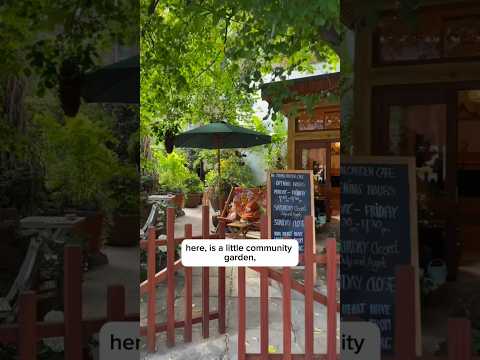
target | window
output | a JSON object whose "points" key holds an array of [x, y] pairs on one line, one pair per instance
{"points": [[435, 36], [321, 119]]}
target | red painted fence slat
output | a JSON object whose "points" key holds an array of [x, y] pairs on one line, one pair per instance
{"points": [[151, 302], [221, 288], [287, 313], [205, 276], [308, 281], [72, 296], [187, 334], [27, 317], [241, 313], [460, 339], [405, 304], [170, 277], [331, 299], [264, 336], [116, 303]]}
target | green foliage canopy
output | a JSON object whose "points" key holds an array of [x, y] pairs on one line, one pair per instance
{"points": [[206, 60]]}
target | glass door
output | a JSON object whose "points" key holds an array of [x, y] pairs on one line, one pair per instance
{"points": [[468, 170], [314, 155], [420, 122], [323, 157]]}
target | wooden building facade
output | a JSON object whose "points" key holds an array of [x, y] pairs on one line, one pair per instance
{"points": [[314, 136], [417, 93]]}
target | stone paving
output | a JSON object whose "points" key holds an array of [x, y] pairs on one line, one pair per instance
{"points": [[225, 346]]}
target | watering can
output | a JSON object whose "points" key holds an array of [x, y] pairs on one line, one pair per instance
{"points": [[437, 271]]}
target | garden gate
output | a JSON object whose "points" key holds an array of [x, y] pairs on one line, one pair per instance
{"points": [[168, 274], [309, 259]]}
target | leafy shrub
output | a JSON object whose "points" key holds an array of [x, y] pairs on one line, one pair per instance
{"points": [[234, 172], [78, 160], [172, 172], [194, 184]]}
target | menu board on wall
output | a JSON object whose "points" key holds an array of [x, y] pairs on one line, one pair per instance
{"points": [[378, 233], [290, 199]]}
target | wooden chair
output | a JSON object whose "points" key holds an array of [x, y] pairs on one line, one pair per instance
{"points": [[248, 194]]}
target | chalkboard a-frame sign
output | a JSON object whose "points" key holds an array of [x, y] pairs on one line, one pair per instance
{"points": [[289, 200], [378, 233]]}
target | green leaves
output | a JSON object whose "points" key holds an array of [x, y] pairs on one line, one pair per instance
{"points": [[77, 157]]}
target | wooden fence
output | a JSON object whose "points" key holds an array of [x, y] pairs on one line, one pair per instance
{"points": [[309, 259], [459, 330], [75, 330], [460, 337], [168, 274]]}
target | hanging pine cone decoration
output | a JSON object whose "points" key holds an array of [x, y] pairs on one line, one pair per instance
{"points": [[69, 89], [169, 139]]}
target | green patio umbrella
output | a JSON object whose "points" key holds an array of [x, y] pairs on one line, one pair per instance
{"points": [[115, 83], [220, 135]]}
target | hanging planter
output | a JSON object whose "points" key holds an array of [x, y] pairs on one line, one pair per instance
{"points": [[169, 138], [69, 89]]}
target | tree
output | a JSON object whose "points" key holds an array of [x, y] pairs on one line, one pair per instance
{"points": [[206, 60]]}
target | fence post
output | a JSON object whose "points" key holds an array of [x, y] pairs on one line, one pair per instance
{"points": [[27, 326], [170, 276], [331, 299], [221, 288], [116, 303], [151, 289], [264, 336], [405, 331], [242, 326], [205, 276], [187, 335], [73, 302], [308, 281], [287, 313], [459, 339]]}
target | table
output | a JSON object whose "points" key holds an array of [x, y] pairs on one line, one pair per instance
{"points": [[240, 228], [53, 226], [166, 199]]}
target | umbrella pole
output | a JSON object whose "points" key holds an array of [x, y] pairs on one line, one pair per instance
{"points": [[220, 193]]}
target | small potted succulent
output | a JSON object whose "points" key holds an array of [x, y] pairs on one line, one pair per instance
{"points": [[194, 188]]}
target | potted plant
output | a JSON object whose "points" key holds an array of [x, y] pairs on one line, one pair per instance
{"points": [[173, 175], [234, 172], [126, 208], [194, 187], [78, 167]]}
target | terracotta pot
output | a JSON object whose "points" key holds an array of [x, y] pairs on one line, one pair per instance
{"points": [[193, 200], [125, 230], [91, 229], [179, 200], [217, 203]]}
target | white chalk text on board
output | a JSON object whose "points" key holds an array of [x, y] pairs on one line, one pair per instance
{"points": [[376, 221]]}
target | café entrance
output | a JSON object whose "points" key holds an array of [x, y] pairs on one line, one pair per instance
{"points": [[440, 126], [323, 158]]}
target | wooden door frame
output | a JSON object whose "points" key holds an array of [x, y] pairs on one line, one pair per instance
{"points": [[418, 94], [315, 144]]}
